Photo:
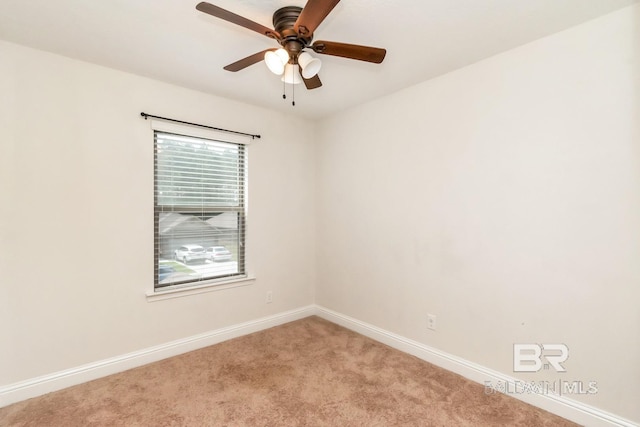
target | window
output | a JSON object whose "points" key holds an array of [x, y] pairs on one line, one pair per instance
{"points": [[199, 215]]}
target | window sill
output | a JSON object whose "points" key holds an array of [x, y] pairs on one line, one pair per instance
{"points": [[199, 289]]}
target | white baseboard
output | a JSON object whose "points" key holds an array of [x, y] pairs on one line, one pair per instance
{"points": [[58, 380], [567, 408]]}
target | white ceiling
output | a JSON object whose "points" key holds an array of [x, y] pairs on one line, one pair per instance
{"points": [[170, 40]]}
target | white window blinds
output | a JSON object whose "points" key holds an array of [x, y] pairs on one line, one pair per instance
{"points": [[199, 215]]}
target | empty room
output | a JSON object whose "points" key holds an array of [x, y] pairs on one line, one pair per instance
{"points": [[320, 213]]}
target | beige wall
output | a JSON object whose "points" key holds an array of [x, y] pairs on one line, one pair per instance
{"points": [[76, 216], [504, 198]]}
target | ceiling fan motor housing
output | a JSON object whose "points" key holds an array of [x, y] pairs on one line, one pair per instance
{"points": [[283, 22]]}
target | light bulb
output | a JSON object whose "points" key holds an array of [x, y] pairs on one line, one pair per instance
{"points": [[291, 75], [276, 60], [310, 65]]}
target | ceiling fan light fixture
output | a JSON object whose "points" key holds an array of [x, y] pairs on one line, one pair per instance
{"points": [[291, 75], [276, 61], [310, 65]]}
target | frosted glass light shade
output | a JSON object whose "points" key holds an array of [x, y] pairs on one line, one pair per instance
{"points": [[276, 60], [310, 65], [291, 75]]}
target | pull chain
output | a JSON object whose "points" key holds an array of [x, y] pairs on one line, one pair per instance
{"points": [[293, 88]]}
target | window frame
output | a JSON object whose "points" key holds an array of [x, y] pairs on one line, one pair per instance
{"points": [[215, 283]]}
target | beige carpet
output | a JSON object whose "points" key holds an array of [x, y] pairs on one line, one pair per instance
{"points": [[306, 373]]}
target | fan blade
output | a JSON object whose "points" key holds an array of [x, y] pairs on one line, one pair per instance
{"points": [[218, 12], [351, 51], [312, 15], [312, 83], [249, 60]]}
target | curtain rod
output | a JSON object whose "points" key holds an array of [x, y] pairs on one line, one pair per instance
{"points": [[146, 116]]}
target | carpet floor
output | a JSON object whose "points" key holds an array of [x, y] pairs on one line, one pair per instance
{"points": [[305, 373]]}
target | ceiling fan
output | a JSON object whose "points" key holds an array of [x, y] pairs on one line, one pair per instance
{"points": [[293, 30]]}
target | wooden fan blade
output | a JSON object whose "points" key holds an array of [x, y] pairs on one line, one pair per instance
{"points": [[218, 12], [312, 15], [351, 51], [312, 83], [249, 60]]}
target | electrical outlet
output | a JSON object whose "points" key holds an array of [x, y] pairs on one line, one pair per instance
{"points": [[269, 297], [431, 321]]}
